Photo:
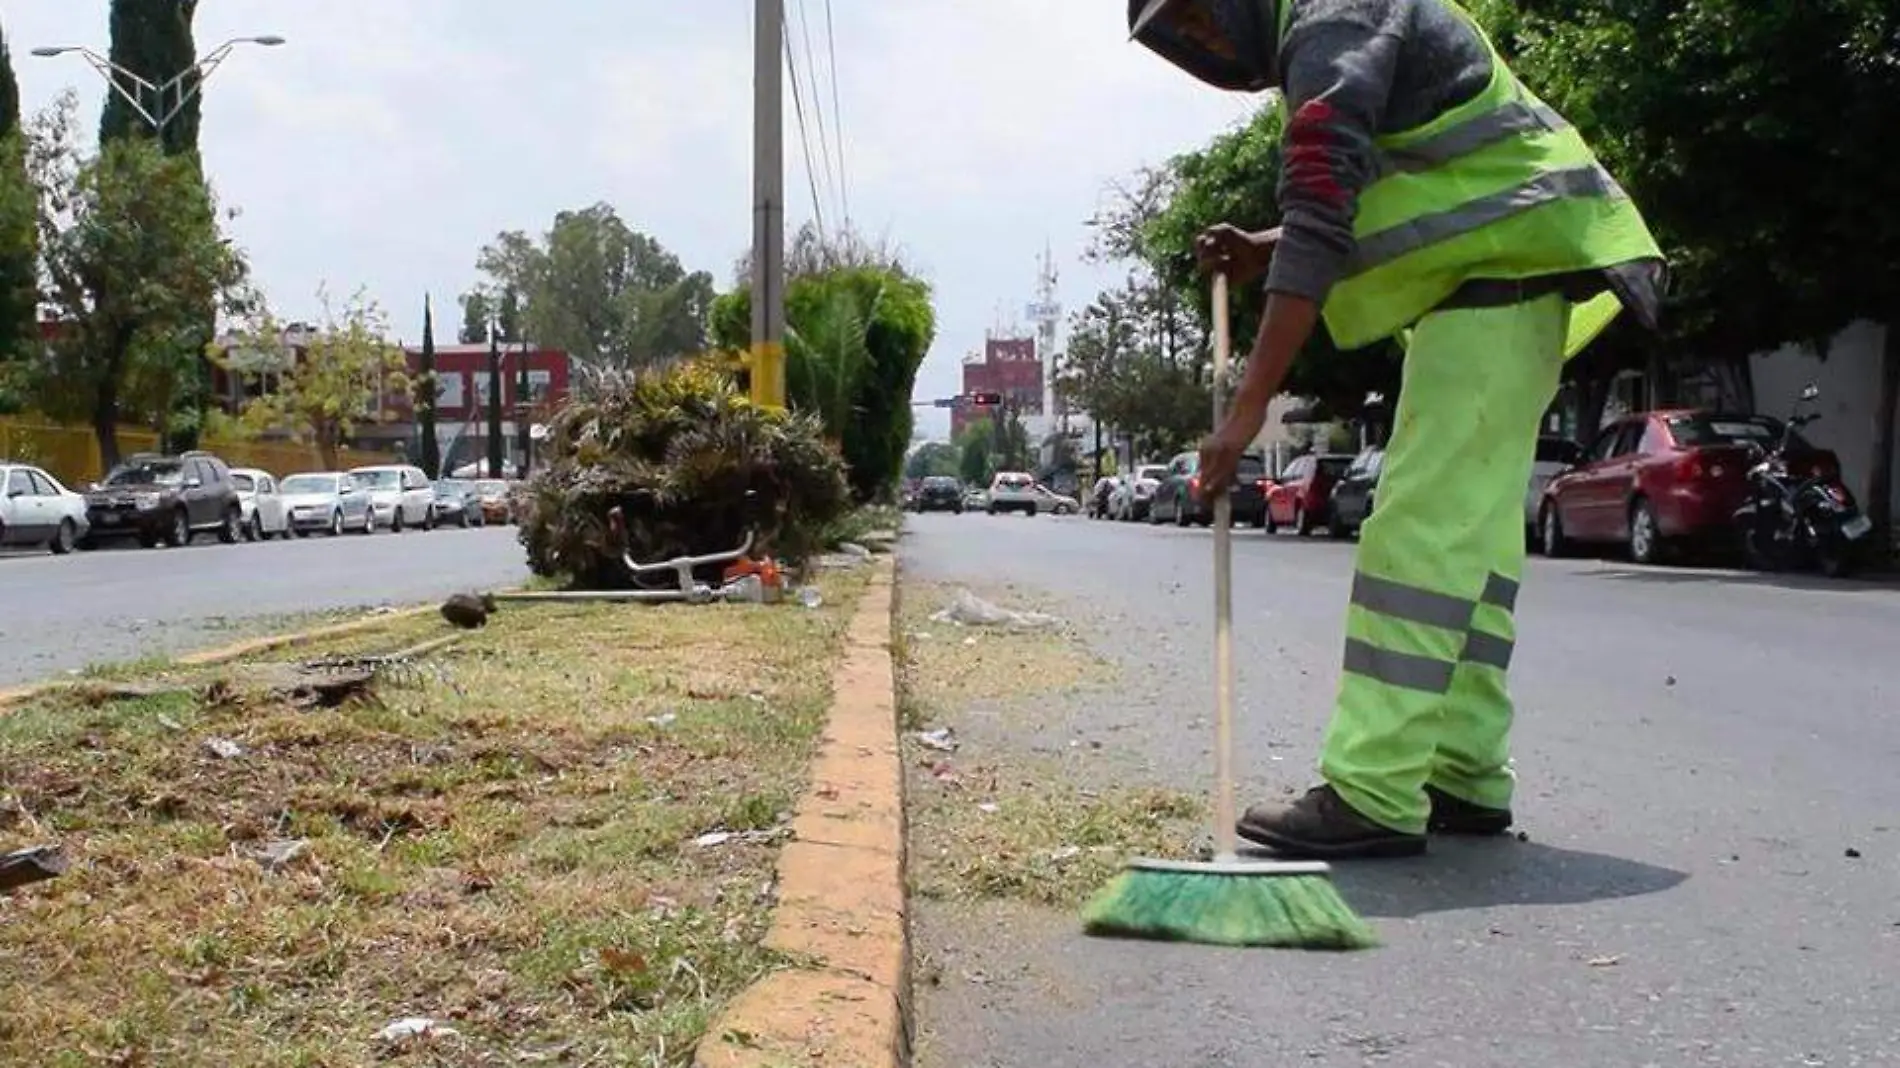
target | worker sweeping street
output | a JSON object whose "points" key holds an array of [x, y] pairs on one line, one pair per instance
{"points": [[1426, 195]]}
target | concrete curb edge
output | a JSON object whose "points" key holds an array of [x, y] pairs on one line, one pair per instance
{"points": [[841, 908], [236, 650]]}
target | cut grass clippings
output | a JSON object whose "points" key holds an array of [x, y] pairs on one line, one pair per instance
{"points": [[996, 824], [504, 844]]}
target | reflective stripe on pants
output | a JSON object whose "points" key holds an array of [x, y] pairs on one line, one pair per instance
{"points": [[1429, 631]]}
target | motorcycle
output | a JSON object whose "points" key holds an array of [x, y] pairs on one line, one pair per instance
{"points": [[1792, 520]]}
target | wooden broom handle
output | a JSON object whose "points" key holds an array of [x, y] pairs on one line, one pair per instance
{"points": [[1226, 843]]}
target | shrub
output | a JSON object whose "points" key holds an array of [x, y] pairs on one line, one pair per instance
{"points": [[677, 450]]}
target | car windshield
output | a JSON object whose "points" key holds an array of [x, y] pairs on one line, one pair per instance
{"points": [[1333, 466], [1250, 467], [1014, 482], [378, 480], [491, 488], [449, 485], [144, 474], [1697, 431], [309, 484], [940, 483], [1152, 473], [244, 483]]}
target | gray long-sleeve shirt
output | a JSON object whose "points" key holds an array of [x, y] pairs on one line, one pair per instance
{"points": [[1353, 70]]}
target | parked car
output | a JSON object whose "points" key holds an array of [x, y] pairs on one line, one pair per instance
{"points": [[1554, 457], [400, 496], [327, 501], [497, 500], [169, 499], [1048, 500], [1131, 499], [1099, 494], [264, 513], [939, 493], [976, 497], [1350, 504], [1304, 491], [455, 502], [37, 510], [1179, 497], [1664, 479], [1013, 491]]}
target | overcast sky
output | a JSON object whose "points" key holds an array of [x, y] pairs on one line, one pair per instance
{"points": [[390, 138]]}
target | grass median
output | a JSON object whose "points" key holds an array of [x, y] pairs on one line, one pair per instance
{"points": [[554, 839]]}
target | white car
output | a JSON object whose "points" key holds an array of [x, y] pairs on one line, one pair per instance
{"points": [[1013, 491], [265, 513], [1133, 496], [37, 510], [1554, 457], [400, 495], [325, 501]]}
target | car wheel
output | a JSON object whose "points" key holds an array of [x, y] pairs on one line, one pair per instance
{"points": [[395, 520], [1266, 520], [231, 531], [428, 520], [1336, 524], [179, 535], [336, 523], [1180, 512], [1550, 529], [1646, 542], [254, 530], [64, 538], [464, 519]]}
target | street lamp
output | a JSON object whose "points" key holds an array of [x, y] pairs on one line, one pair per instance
{"points": [[169, 97]]}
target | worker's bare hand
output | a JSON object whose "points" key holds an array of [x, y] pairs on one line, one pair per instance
{"points": [[1239, 254], [1220, 456]]}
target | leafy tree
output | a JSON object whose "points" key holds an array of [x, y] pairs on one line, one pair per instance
{"points": [[1753, 136], [602, 292], [344, 375], [476, 318], [19, 246], [132, 256], [425, 392], [974, 465], [855, 337], [933, 459]]}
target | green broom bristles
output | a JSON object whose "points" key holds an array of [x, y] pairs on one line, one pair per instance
{"points": [[1227, 909]]}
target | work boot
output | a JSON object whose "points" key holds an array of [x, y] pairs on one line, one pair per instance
{"points": [[1455, 815], [1322, 826]]}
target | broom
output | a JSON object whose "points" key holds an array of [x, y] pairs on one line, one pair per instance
{"points": [[1228, 901]]}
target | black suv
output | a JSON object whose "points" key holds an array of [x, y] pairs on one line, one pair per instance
{"points": [[165, 498], [940, 493]]}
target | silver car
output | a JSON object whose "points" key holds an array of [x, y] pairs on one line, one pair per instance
{"points": [[326, 501], [400, 495]]}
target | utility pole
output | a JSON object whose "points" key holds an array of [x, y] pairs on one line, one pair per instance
{"points": [[494, 400], [768, 203], [524, 443]]}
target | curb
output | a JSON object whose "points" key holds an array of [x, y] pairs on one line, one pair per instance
{"points": [[237, 650], [841, 906]]}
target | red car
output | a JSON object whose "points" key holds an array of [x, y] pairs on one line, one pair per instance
{"points": [[1662, 479], [1302, 495]]}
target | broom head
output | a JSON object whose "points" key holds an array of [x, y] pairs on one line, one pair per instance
{"points": [[1228, 902]]}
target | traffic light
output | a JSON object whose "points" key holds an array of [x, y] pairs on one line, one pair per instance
{"points": [[986, 400]]}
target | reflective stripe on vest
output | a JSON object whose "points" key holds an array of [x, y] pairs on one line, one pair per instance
{"points": [[1498, 187]]}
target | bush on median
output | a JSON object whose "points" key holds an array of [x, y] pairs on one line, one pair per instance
{"points": [[676, 449]]}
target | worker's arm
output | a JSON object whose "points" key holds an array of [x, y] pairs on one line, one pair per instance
{"points": [[1338, 76]]}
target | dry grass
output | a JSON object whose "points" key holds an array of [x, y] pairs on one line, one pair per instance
{"points": [[507, 848], [988, 822]]}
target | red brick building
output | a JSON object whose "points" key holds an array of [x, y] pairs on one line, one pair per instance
{"points": [[1008, 366]]}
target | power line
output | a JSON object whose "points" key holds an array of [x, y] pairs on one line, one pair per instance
{"points": [[817, 97], [804, 141], [837, 116]]}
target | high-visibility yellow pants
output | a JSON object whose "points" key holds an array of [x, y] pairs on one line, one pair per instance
{"points": [[1429, 632]]}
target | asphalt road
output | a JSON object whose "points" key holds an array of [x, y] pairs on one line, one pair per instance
{"points": [[59, 613], [1697, 753]]}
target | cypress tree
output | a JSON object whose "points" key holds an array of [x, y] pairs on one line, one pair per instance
{"points": [[426, 393], [19, 236]]}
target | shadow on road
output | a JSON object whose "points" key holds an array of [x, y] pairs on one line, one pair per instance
{"points": [[1877, 583], [1460, 875]]}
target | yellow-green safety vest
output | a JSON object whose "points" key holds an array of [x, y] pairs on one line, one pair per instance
{"points": [[1499, 187]]}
